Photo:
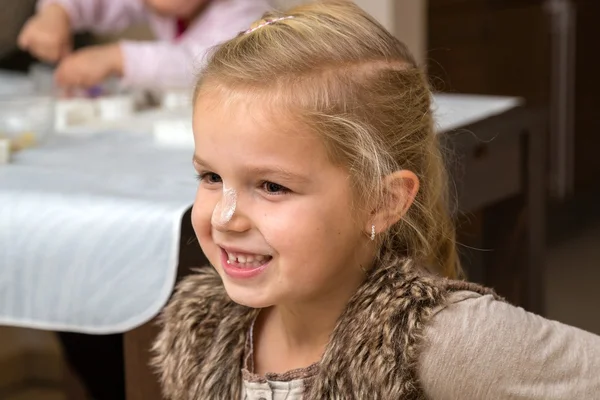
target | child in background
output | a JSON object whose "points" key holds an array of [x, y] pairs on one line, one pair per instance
{"points": [[186, 29], [322, 207]]}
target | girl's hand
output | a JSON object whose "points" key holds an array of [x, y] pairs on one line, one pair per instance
{"points": [[90, 66], [47, 35]]}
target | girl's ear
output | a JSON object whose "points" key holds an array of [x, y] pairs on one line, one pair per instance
{"points": [[399, 192]]}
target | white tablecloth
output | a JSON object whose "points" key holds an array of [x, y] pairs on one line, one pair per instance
{"points": [[457, 110], [89, 232], [89, 226], [12, 83]]}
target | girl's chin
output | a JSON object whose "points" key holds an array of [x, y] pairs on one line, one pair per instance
{"points": [[247, 297]]}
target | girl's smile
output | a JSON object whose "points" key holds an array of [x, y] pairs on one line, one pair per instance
{"points": [[243, 265]]}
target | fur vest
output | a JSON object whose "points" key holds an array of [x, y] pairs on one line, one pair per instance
{"points": [[199, 352]]}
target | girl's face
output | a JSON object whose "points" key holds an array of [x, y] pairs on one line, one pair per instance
{"points": [[272, 213], [186, 9]]}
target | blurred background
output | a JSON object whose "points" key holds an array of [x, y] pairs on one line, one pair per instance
{"points": [[541, 50]]}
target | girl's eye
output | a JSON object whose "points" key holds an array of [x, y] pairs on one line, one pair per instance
{"points": [[274, 188], [209, 177]]}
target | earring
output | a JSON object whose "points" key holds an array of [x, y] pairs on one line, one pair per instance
{"points": [[372, 232]]}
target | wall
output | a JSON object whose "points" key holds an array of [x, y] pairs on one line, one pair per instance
{"points": [[407, 19]]}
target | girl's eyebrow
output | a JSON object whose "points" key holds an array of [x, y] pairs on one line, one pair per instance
{"points": [[279, 172], [262, 170], [198, 161]]}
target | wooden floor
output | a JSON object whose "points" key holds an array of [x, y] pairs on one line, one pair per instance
{"points": [[31, 365], [572, 294]]}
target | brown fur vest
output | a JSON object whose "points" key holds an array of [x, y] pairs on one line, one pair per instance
{"points": [[372, 354]]}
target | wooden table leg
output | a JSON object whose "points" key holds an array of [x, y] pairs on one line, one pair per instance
{"points": [[515, 232], [470, 246], [504, 254], [536, 217], [140, 381]]}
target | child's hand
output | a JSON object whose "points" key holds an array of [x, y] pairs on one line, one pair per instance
{"points": [[90, 66], [47, 35]]}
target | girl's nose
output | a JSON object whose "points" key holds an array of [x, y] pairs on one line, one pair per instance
{"points": [[225, 208], [226, 215]]}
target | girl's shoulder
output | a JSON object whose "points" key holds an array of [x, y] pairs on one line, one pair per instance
{"points": [[477, 346]]}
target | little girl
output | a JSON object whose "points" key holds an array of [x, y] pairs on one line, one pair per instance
{"points": [[322, 208], [186, 29]]}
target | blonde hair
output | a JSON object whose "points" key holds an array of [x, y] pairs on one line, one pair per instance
{"points": [[342, 74]]}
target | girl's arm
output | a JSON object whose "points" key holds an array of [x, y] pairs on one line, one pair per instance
{"points": [[480, 348], [100, 15]]}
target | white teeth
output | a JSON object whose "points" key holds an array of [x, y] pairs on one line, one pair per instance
{"points": [[249, 260]]}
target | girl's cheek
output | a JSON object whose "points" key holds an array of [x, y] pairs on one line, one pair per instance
{"points": [[201, 212], [197, 220], [278, 226]]}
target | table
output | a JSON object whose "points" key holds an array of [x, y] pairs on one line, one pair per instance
{"points": [[105, 218]]}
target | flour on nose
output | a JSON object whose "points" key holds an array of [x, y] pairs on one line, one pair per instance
{"points": [[225, 208]]}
